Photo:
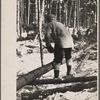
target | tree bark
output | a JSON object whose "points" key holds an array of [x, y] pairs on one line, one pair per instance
{"points": [[59, 81], [26, 15], [31, 76], [17, 26], [69, 20], [56, 9], [66, 9], [20, 21], [36, 11], [78, 15], [50, 6], [40, 20], [28, 12], [47, 92], [59, 8], [74, 17]]}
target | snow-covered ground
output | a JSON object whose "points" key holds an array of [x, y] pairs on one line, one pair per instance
{"points": [[28, 59]]}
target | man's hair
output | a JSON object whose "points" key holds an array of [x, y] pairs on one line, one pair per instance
{"points": [[50, 17]]}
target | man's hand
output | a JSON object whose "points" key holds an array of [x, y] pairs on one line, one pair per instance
{"points": [[50, 49]]}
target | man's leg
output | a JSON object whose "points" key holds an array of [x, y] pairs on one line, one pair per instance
{"points": [[58, 56], [68, 60], [69, 66], [56, 69]]}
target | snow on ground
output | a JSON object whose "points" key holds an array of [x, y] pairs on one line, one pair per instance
{"points": [[29, 59], [74, 96]]}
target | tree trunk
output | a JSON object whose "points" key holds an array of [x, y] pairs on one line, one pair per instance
{"points": [[47, 92], [50, 6], [31, 76], [20, 32], [78, 15], [85, 18], [28, 12], [42, 14], [59, 6], [36, 12], [96, 10], [59, 81], [21, 17], [66, 9], [26, 15], [40, 19], [17, 23], [56, 11], [74, 17], [69, 20]]}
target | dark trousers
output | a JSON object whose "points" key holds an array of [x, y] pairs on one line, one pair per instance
{"points": [[60, 53]]}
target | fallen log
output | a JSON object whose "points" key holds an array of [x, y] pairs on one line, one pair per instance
{"points": [[60, 81], [43, 93], [31, 76]]}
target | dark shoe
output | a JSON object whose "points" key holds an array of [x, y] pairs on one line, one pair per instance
{"points": [[56, 74], [68, 70], [69, 76]]}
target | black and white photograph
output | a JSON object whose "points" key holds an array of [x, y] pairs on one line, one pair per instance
{"points": [[56, 49]]}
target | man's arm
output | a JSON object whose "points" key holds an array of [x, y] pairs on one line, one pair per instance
{"points": [[48, 39]]}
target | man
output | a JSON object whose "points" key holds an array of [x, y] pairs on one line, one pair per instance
{"points": [[63, 43]]}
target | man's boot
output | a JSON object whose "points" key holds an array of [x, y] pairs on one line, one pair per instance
{"points": [[69, 64], [68, 70], [56, 74], [69, 75], [56, 70]]}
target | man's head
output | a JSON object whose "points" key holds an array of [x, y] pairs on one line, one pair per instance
{"points": [[50, 17]]}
